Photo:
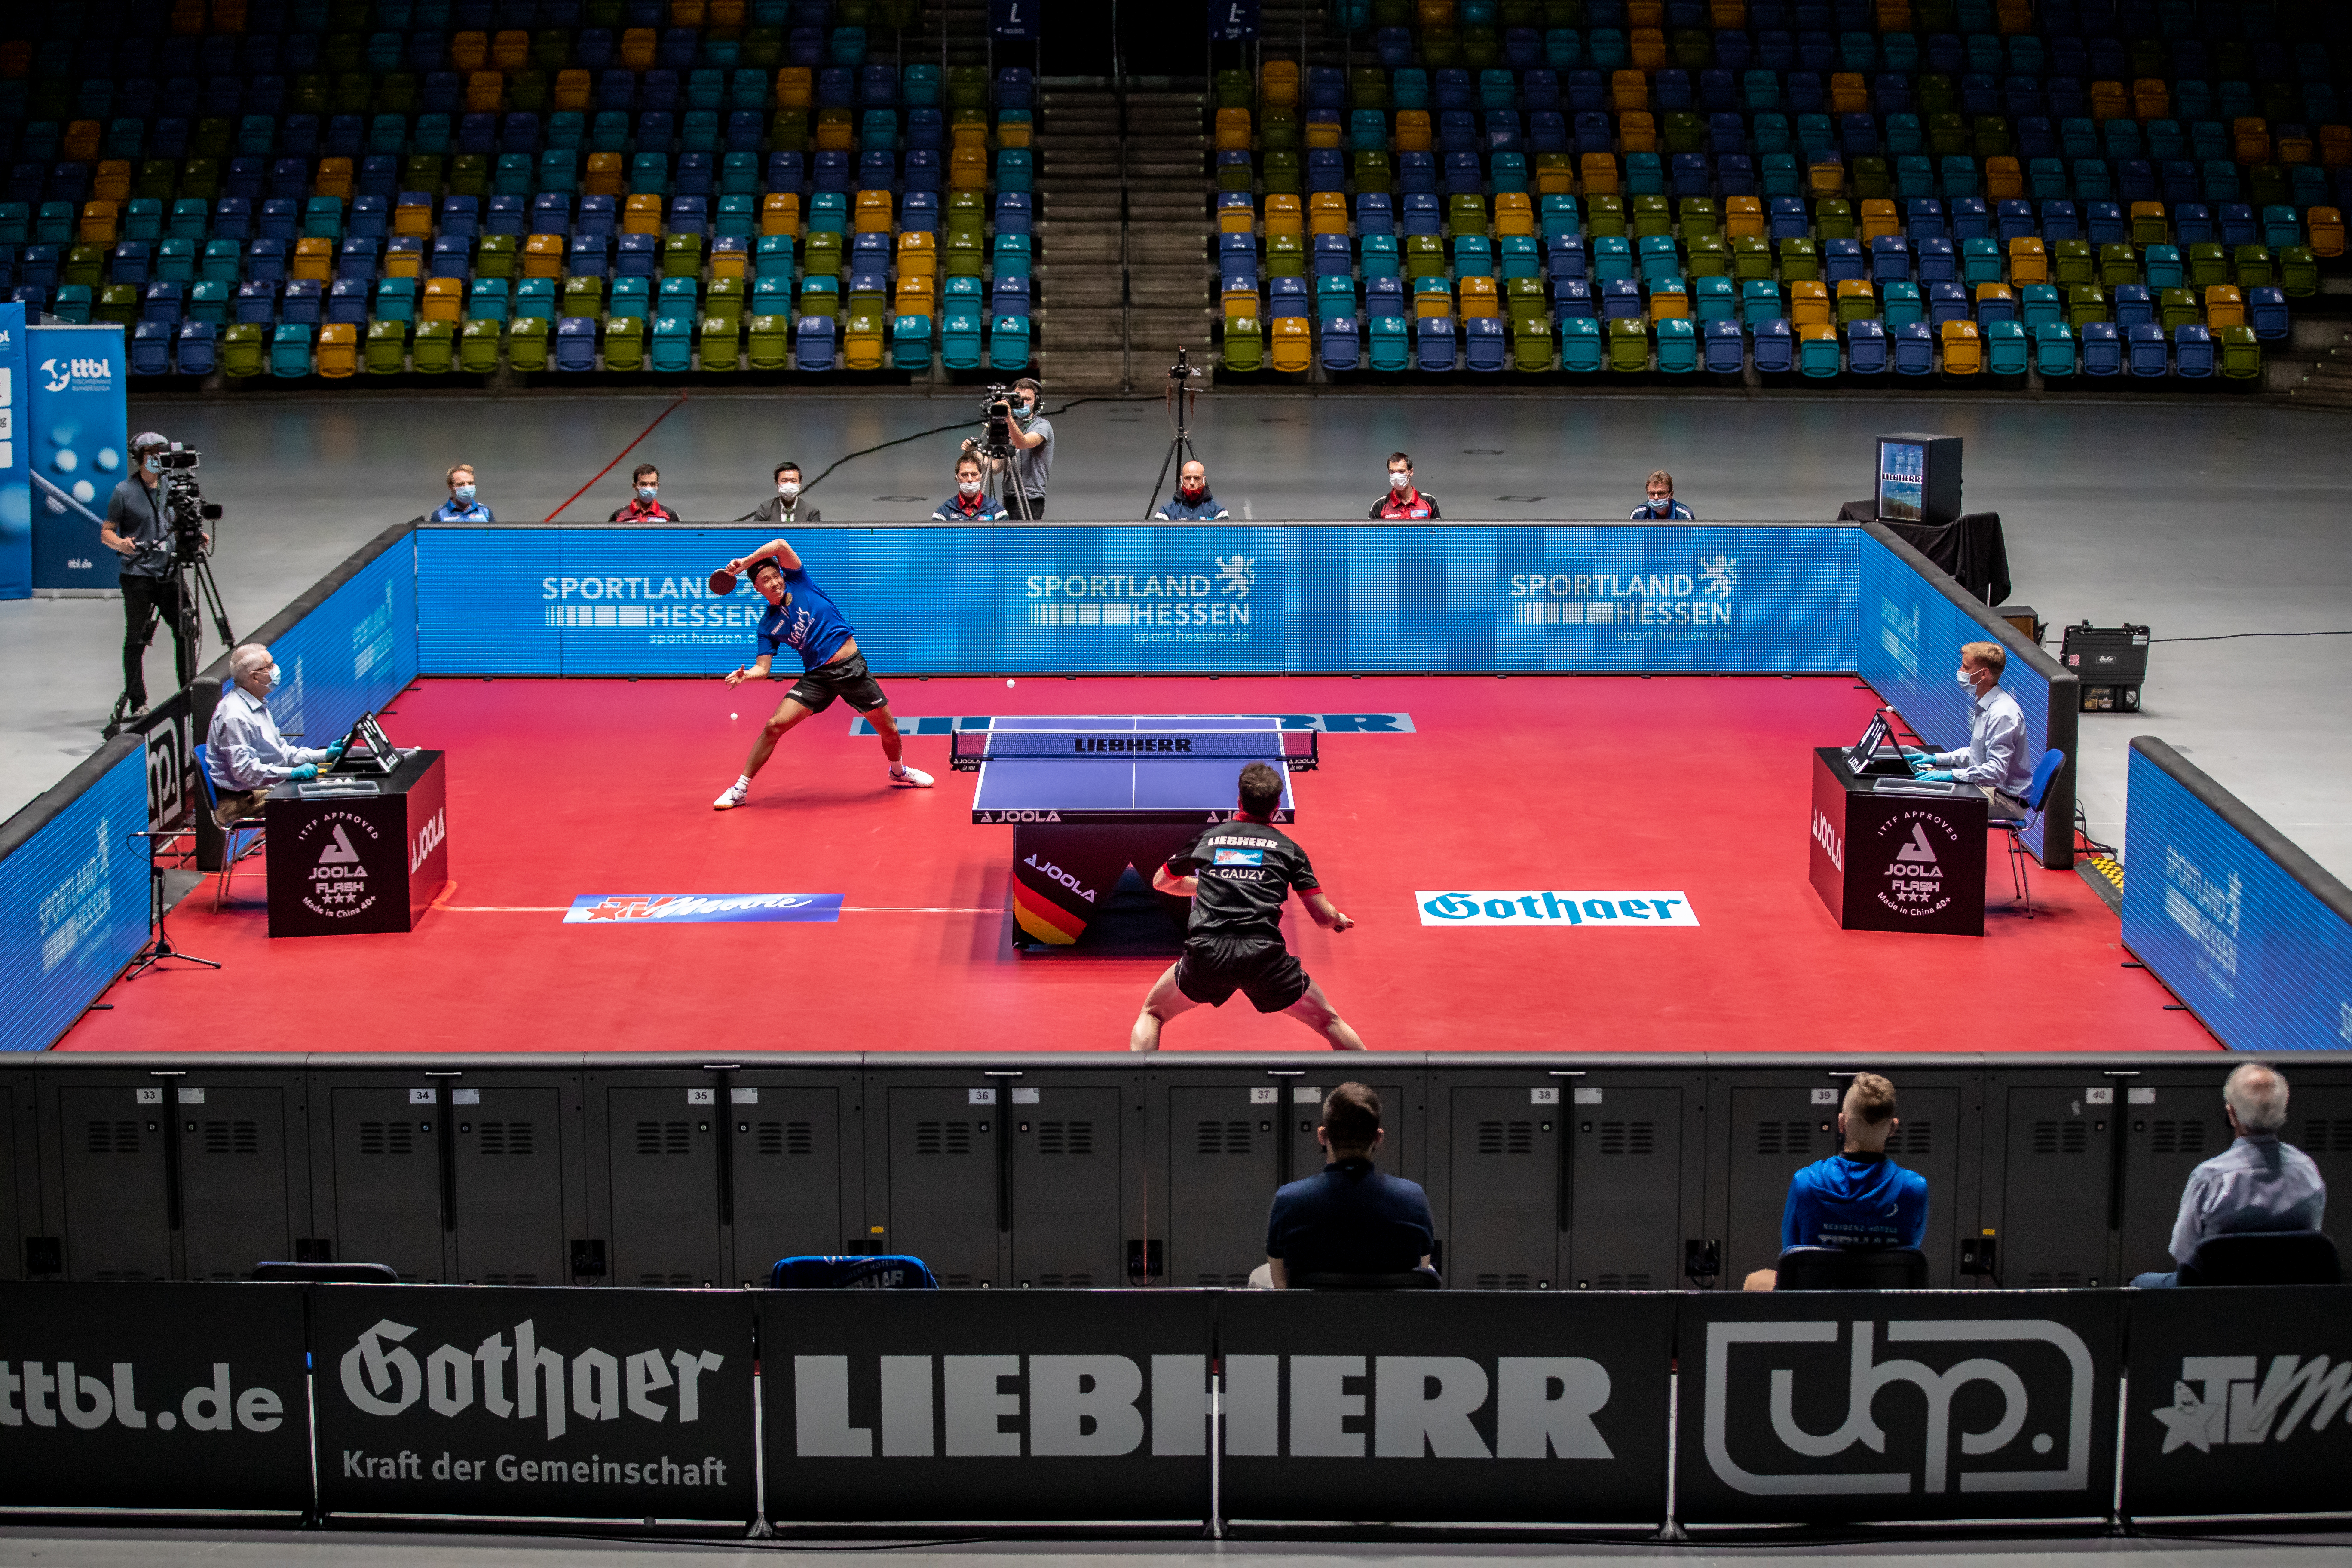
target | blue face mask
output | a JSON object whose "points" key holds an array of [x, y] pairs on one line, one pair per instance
{"points": [[464, 493], [645, 492], [277, 675], [152, 465]]}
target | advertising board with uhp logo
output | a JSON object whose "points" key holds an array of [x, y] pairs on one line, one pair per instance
{"points": [[1865, 1405], [614, 1403]]}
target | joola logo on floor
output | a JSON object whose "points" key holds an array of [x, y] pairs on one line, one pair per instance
{"points": [[1541, 907], [700, 909], [2218, 1401]]}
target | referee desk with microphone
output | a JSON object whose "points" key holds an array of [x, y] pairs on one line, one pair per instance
{"points": [[363, 848]]}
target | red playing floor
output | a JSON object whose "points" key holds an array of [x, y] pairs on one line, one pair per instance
{"points": [[1698, 785]]}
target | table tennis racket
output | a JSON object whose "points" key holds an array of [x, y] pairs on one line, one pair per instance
{"points": [[722, 582]]}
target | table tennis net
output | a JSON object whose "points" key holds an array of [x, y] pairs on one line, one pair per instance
{"points": [[1166, 746]]}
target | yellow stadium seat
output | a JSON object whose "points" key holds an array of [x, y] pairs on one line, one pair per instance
{"points": [[100, 223], [1825, 179], [2326, 226], [1279, 83], [543, 255], [1670, 301], [638, 45], [313, 260], [112, 182], [1599, 171], [1411, 131], [2225, 307], [795, 87], [1323, 133], [780, 212], [1282, 216], [1879, 219], [1809, 302], [603, 175], [1849, 93], [1239, 302], [2151, 98], [968, 169], [1995, 291], [444, 300], [1478, 299], [861, 340], [338, 349], [1513, 214], [1637, 131], [642, 215], [2004, 179], [2108, 100], [2029, 260], [835, 131], [873, 213], [1743, 217], [1628, 91], [1292, 348], [1963, 349], [1327, 213], [414, 219], [485, 90], [510, 50], [468, 50], [1232, 131]]}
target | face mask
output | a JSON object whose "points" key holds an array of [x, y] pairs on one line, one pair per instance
{"points": [[276, 677], [1400, 482], [1024, 412], [1194, 492], [152, 465], [968, 487], [464, 492], [1968, 683], [788, 488], [1662, 505], [647, 492]]}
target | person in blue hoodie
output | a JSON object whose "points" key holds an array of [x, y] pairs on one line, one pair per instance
{"points": [[1856, 1198], [1191, 502]]}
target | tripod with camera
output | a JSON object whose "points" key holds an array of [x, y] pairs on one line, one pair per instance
{"points": [[993, 447], [1180, 406], [185, 552]]}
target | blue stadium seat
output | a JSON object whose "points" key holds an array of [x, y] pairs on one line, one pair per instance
{"points": [[2145, 351], [1435, 343], [2193, 352], [1339, 346], [1485, 345], [1775, 348], [1915, 349], [1866, 348], [197, 350], [2102, 349]]}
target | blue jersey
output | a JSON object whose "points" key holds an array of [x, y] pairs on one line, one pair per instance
{"points": [[1350, 1219], [1856, 1200], [807, 622]]}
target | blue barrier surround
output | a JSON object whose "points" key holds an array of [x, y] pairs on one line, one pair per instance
{"points": [[73, 893], [2251, 933]]}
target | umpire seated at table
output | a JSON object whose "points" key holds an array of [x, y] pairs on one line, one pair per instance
{"points": [[243, 752], [2257, 1183], [1994, 759], [1350, 1218], [1857, 1198]]}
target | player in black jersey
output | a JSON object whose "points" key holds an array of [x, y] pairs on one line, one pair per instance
{"points": [[1237, 874]]}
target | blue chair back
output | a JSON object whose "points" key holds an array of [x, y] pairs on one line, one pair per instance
{"points": [[2045, 774], [888, 1271]]}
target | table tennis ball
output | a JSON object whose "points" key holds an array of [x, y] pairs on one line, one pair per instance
{"points": [[1008, 683], [731, 715]]}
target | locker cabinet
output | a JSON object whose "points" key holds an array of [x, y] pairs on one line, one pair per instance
{"points": [[506, 1184], [946, 1202], [1065, 1146], [661, 1154], [112, 1154], [233, 1178], [2057, 1181], [1502, 1191], [1626, 1196], [1224, 1163], [384, 1165], [787, 1168]]}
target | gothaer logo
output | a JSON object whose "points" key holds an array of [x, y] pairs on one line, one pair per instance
{"points": [[2044, 1401], [2229, 1400]]}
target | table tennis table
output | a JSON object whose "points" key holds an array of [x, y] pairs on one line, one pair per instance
{"points": [[1088, 795]]}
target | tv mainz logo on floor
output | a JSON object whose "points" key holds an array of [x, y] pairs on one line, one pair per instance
{"points": [[2004, 1406], [2229, 1400]]}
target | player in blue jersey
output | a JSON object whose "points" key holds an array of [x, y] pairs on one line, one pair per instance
{"points": [[802, 618]]}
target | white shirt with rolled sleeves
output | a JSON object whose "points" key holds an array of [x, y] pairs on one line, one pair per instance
{"points": [[244, 750], [1995, 754], [2256, 1183]]}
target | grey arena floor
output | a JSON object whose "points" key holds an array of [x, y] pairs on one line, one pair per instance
{"points": [[38, 1547], [2203, 517]]}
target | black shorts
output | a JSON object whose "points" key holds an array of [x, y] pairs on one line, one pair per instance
{"points": [[1214, 967], [847, 679]]}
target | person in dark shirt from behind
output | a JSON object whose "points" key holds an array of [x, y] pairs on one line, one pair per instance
{"points": [[1857, 1198], [1350, 1218]]}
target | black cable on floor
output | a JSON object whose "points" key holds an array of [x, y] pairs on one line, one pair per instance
{"points": [[2226, 636], [941, 430]]}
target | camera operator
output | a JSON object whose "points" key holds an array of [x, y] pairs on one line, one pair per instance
{"points": [[1029, 436], [138, 527]]}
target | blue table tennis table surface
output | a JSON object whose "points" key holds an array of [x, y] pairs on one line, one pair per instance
{"points": [[1080, 786]]}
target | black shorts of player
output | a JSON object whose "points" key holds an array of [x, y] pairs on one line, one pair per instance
{"points": [[1214, 967], [847, 679]]}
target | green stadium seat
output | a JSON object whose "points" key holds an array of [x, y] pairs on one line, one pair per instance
{"points": [[624, 343], [433, 349], [479, 343]]}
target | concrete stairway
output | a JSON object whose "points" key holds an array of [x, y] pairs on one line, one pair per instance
{"points": [[1170, 300]]}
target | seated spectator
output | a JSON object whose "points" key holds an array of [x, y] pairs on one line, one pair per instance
{"points": [[1350, 1218], [1191, 502], [2256, 1183], [1856, 1198], [461, 506], [1404, 501], [784, 508], [971, 503], [646, 505], [1662, 506]]}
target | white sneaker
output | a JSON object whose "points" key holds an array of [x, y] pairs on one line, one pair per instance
{"points": [[732, 797], [915, 777]]}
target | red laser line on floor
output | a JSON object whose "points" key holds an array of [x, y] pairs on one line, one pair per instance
{"points": [[624, 452]]}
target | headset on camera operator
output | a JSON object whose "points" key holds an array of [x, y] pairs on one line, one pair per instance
{"points": [[1019, 444], [139, 527]]}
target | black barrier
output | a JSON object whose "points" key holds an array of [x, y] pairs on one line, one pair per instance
{"points": [[1460, 1408], [166, 1398], [2238, 1402], [933, 1406], [1903, 1405], [614, 1404]]}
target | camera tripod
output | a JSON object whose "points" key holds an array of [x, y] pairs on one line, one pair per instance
{"points": [[159, 946], [996, 478], [1180, 449]]}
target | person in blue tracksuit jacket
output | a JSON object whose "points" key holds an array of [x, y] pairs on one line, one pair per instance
{"points": [[1857, 1198]]}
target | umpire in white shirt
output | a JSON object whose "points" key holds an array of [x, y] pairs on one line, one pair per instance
{"points": [[2256, 1183], [243, 752], [1994, 759]]}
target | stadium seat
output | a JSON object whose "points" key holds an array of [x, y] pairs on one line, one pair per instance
{"points": [[1582, 349], [289, 348]]}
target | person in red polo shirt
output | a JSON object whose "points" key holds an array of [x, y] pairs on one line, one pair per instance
{"points": [[646, 505], [1404, 502]]}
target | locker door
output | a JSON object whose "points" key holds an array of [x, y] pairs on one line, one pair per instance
{"points": [[2319, 1122], [787, 1176], [1307, 1156], [387, 1161], [1775, 1132], [509, 1151], [12, 1228], [2055, 1187], [663, 1154], [1625, 1189], [1929, 1142], [943, 1180], [232, 1180], [1503, 1203], [118, 1215], [2168, 1131], [1220, 1181], [1065, 1188]]}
